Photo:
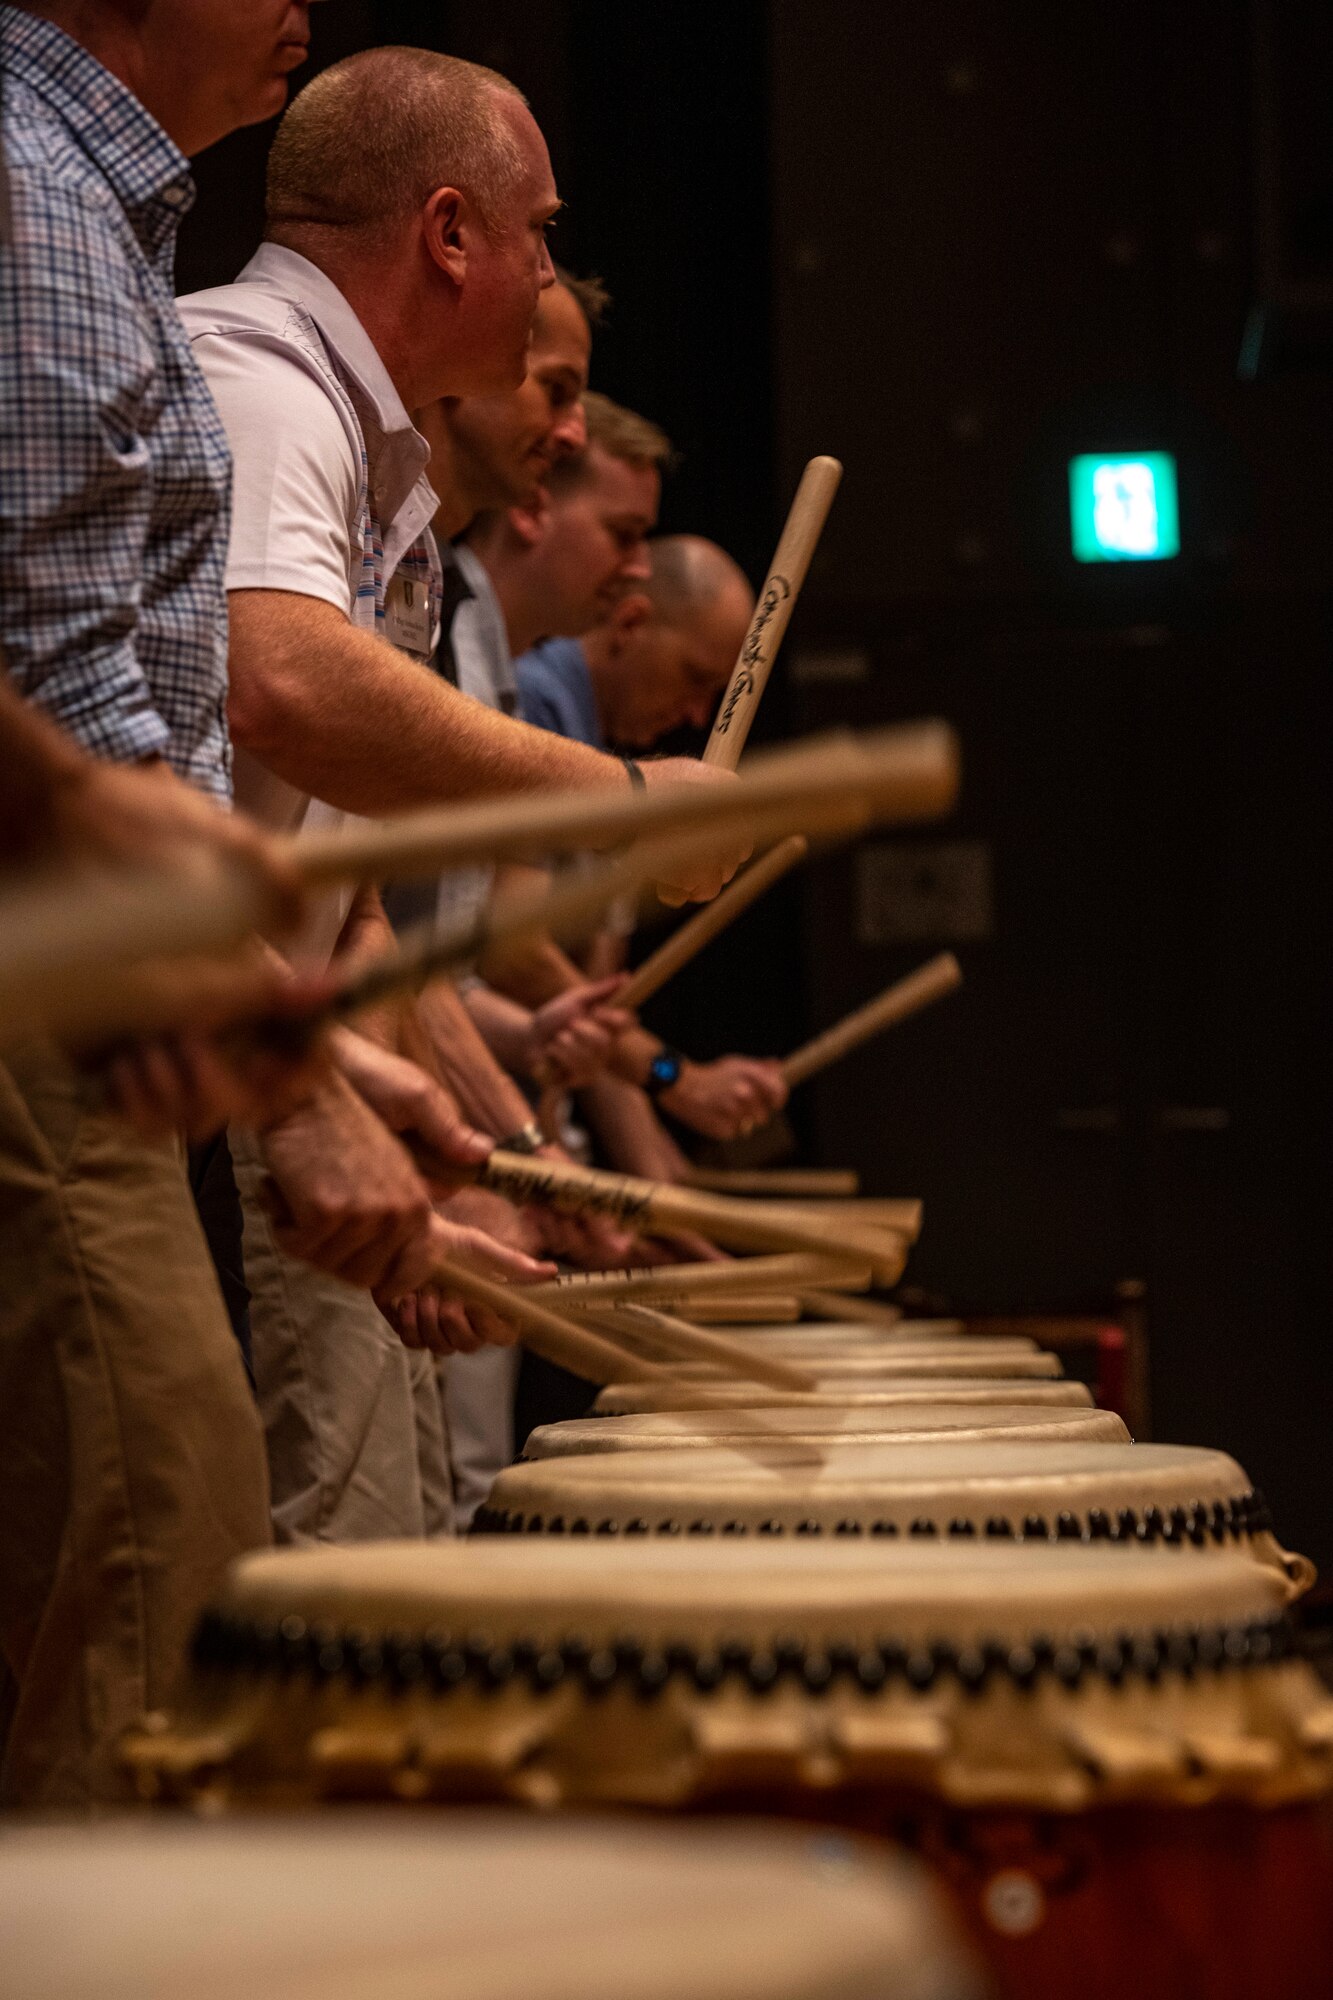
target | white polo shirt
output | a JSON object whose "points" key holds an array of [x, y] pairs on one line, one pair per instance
{"points": [[330, 497]]}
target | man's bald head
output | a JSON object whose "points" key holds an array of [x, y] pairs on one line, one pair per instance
{"points": [[690, 575], [422, 186], [665, 656], [369, 140]]}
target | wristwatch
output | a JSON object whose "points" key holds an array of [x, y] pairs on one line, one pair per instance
{"points": [[663, 1071]]}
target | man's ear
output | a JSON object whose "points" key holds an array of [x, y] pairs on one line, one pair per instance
{"points": [[531, 520], [446, 224]]}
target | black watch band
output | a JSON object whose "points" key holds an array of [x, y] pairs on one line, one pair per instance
{"points": [[663, 1071]]}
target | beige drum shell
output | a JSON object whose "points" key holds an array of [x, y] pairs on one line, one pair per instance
{"points": [[667, 1673], [625, 1399], [486, 1909], [1178, 1494], [919, 1423]]}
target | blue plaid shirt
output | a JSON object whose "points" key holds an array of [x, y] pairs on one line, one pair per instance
{"points": [[115, 474]]}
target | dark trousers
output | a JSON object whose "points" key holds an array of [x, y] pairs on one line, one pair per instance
{"points": [[218, 1200]]}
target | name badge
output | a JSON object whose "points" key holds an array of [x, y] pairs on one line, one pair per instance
{"points": [[407, 615]]}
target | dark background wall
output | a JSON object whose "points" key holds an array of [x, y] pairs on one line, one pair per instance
{"points": [[955, 242]]}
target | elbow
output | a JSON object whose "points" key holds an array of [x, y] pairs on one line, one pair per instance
{"points": [[262, 713]]}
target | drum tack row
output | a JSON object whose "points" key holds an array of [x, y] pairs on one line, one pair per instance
{"points": [[940, 1599]]}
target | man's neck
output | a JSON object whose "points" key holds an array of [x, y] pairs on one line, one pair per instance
{"points": [[523, 622], [114, 42], [599, 652], [456, 510], [378, 296]]}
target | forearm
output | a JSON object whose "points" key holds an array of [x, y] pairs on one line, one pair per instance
{"points": [[504, 1026], [534, 969], [489, 1098], [531, 970], [344, 716], [632, 1134], [366, 937]]}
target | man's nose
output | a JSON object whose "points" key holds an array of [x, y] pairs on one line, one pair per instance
{"points": [[569, 432], [547, 267], [638, 564]]}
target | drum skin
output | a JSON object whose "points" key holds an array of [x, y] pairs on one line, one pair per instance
{"points": [[392, 1905], [622, 1399], [909, 1422], [986, 1488]]}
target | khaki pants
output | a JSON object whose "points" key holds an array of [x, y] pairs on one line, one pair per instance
{"points": [[354, 1421], [131, 1457], [479, 1412]]}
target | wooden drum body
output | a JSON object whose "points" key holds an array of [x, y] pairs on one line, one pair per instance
{"points": [[1112, 1755]]}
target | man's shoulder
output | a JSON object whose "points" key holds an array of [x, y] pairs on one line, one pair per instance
{"points": [[555, 662], [55, 188], [554, 687], [263, 352], [249, 312]]}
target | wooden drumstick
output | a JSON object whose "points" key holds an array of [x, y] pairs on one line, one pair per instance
{"points": [[700, 929], [69, 944], [592, 1356], [777, 599], [746, 1309], [906, 772], [672, 1283], [903, 1217], [930, 982], [782, 1183], [662, 1207], [824, 1304], [677, 1340], [570, 901], [54, 964]]}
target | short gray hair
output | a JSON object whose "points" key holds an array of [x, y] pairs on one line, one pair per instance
{"points": [[372, 137]]}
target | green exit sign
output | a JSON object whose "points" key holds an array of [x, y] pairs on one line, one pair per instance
{"points": [[1124, 509]]}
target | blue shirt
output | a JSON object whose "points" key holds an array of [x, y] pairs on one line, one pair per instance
{"points": [[555, 691], [115, 475]]}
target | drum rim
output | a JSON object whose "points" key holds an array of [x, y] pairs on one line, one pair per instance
{"points": [[434, 1662], [1242, 1518]]}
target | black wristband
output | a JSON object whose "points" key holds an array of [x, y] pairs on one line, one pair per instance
{"points": [[663, 1071], [638, 783]]}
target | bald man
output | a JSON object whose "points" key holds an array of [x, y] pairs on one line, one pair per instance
{"points": [[657, 664], [582, 567]]}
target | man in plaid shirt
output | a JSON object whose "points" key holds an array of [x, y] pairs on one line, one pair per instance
{"points": [[131, 1459]]}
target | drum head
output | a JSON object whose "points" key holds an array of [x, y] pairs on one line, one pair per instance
{"points": [[938, 1423], [483, 1908], [863, 1333], [964, 1356], [1178, 1495], [623, 1399]]}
